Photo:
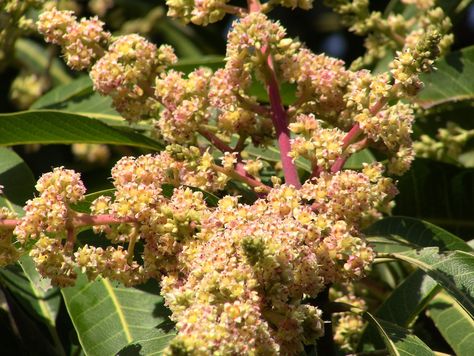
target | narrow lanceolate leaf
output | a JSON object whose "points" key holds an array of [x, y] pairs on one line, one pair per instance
{"points": [[24, 282], [178, 36], [399, 341], [86, 103], [37, 58], [401, 233], [107, 317], [408, 299], [454, 271], [78, 97], [456, 326], [17, 180], [61, 93], [49, 127], [33, 293], [451, 82], [445, 201], [402, 306], [190, 64]]}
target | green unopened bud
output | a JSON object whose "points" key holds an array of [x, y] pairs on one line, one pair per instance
{"points": [[254, 249]]}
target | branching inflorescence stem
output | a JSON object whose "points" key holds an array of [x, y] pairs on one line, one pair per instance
{"points": [[278, 114], [280, 122], [356, 131], [216, 141], [77, 220], [9, 224], [81, 220], [240, 174]]}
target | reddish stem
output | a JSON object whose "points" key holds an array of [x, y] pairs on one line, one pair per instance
{"points": [[216, 141], [9, 223], [355, 131], [239, 147], [351, 135], [256, 108], [234, 10], [70, 240], [384, 100], [316, 171], [240, 174], [337, 166], [254, 5], [280, 122], [80, 220]]}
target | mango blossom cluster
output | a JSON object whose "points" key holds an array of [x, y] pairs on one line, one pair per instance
{"points": [[241, 270], [234, 275]]}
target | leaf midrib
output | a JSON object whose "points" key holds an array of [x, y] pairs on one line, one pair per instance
{"points": [[118, 308]]}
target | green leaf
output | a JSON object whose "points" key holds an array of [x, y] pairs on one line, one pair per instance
{"points": [[412, 233], [402, 306], [188, 65], [456, 326], [37, 58], [81, 95], [87, 103], [78, 97], [178, 36], [357, 160], [108, 317], [272, 154], [49, 127], [84, 205], [33, 292], [153, 343], [17, 179], [398, 340], [61, 93], [24, 281], [454, 271], [451, 82], [439, 193], [383, 64]]}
